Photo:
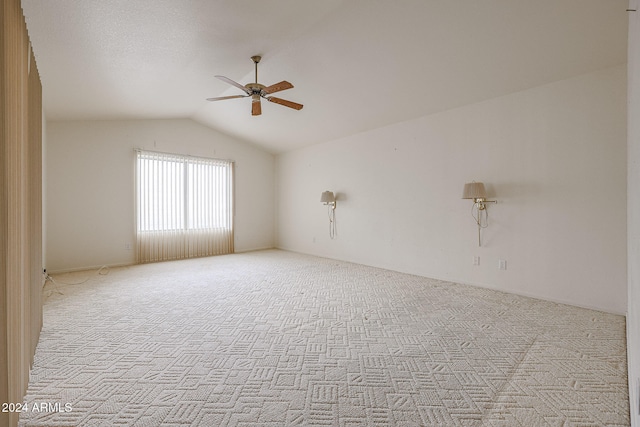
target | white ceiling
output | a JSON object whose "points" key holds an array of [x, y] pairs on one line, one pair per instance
{"points": [[355, 64]]}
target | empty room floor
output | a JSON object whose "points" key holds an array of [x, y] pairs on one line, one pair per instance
{"points": [[274, 338]]}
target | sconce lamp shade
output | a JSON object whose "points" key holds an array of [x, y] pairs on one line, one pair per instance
{"points": [[327, 197], [474, 190]]}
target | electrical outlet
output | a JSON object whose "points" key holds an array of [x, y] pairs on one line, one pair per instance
{"points": [[502, 264], [127, 246], [476, 260]]}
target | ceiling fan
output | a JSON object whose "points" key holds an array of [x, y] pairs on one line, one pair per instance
{"points": [[257, 91]]}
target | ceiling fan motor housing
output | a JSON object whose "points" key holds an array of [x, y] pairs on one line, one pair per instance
{"points": [[256, 89]]}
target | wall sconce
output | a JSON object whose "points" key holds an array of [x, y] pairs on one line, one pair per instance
{"points": [[328, 198], [476, 191]]}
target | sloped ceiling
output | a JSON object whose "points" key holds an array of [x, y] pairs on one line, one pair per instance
{"points": [[355, 64]]}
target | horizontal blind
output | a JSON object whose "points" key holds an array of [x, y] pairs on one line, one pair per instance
{"points": [[184, 206]]}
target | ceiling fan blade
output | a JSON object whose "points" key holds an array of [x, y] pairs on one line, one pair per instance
{"points": [[236, 84], [256, 107], [286, 103], [220, 98], [283, 85]]}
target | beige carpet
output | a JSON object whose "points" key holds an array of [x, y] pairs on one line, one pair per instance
{"points": [[273, 338]]}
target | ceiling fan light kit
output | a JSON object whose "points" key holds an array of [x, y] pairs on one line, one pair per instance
{"points": [[257, 91]]}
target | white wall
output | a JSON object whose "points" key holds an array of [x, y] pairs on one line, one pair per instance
{"points": [[553, 156], [90, 186], [633, 216]]}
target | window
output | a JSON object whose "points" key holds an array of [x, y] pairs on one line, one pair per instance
{"points": [[184, 206]]}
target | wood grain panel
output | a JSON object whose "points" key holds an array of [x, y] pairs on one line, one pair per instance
{"points": [[21, 207]]}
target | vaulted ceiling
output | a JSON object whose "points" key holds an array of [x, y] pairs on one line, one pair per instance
{"points": [[355, 64]]}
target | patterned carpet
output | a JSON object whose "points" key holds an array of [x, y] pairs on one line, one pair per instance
{"points": [[273, 338]]}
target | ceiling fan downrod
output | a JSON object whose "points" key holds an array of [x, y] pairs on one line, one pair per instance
{"points": [[256, 59]]}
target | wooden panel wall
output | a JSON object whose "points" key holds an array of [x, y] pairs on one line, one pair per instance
{"points": [[36, 279], [20, 206]]}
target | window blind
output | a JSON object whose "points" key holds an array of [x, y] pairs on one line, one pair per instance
{"points": [[184, 206]]}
